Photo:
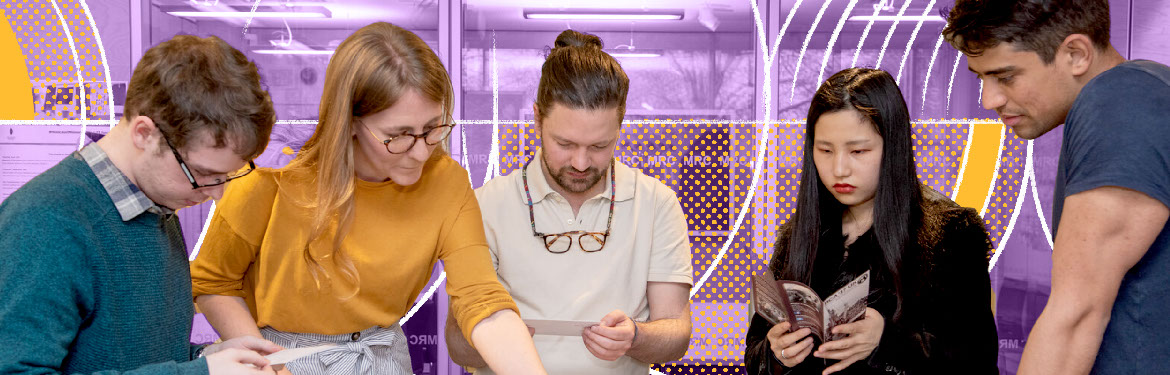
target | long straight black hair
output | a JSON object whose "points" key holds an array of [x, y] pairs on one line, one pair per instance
{"points": [[897, 209]]}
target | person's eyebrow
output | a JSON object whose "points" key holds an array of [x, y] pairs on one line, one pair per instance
{"points": [[1006, 69], [405, 128], [204, 171]]}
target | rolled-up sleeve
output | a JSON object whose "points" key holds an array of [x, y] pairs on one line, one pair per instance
{"points": [[233, 237], [472, 284]]}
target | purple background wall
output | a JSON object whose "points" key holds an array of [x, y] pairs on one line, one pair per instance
{"points": [[708, 67]]}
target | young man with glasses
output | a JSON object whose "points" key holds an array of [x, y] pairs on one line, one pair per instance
{"points": [[576, 235], [1044, 63], [94, 275]]}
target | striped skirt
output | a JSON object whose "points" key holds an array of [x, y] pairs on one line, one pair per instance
{"points": [[374, 350]]}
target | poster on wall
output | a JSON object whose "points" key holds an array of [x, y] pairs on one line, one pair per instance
{"points": [[29, 150]]}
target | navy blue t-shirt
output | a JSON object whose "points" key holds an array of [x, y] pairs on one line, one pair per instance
{"points": [[1118, 134]]}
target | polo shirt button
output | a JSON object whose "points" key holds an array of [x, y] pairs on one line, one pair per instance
{"points": [[355, 336]]}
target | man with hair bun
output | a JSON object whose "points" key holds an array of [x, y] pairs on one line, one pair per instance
{"points": [[577, 235]]}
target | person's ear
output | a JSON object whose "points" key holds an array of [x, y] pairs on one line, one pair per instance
{"points": [[142, 133], [1076, 54]]}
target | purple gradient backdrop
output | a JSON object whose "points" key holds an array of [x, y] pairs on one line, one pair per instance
{"points": [[708, 66]]}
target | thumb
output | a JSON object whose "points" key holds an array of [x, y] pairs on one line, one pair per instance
{"points": [[248, 357], [613, 318]]}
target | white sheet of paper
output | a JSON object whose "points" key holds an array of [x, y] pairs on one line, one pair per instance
{"points": [[289, 355], [559, 327]]}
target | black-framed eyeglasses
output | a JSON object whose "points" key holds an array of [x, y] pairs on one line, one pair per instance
{"points": [[400, 144], [559, 243], [191, 178]]}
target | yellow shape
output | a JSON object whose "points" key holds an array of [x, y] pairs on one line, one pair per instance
{"points": [[16, 101], [979, 172]]}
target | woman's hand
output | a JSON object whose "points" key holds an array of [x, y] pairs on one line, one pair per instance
{"points": [[864, 336], [789, 347]]}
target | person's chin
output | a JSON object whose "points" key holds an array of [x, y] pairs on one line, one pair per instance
{"points": [[405, 179]]}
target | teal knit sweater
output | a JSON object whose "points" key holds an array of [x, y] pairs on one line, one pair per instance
{"points": [[81, 291]]}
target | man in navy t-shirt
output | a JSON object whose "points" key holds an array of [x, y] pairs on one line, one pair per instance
{"points": [[1049, 62]]}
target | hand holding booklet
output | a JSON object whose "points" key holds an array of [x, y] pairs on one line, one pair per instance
{"points": [[780, 301]]}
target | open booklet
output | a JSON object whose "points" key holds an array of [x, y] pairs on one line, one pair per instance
{"points": [[790, 301]]}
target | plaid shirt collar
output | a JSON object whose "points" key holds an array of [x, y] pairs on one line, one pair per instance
{"points": [[129, 200]]}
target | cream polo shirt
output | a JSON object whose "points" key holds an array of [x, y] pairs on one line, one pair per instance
{"points": [[648, 243]]}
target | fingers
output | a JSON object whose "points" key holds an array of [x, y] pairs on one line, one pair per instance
{"points": [[246, 357], [795, 354], [785, 340], [606, 342], [622, 332], [844, 363], [257, 344], [778, 330], [850, 328], [602, 347], [838, 345], [803, 346]]}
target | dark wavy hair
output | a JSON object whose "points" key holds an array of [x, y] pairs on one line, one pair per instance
{"points": [[974, 26], [896, 210]]}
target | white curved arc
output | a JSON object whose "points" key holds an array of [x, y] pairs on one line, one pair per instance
{"points": [[202, 233], [804, 47], [1007, 233], [995, 172], [833, 39], [422, 301], [251, 13], [493, 166], [864, 35], [981, 92], [951, 83], [105, 65], [929, 69], [1039, 209], [762, 148], [913, 37], [890, 34], [77, 64]]}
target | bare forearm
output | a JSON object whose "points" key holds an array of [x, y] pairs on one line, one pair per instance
{"points": [[662, 340], [228, 315], [504, 344], [459, 349], [1063, 342]]}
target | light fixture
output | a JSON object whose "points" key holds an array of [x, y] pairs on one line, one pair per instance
{"points": [[934, 18], [635, 54], [603, 15], [247, 12], [197, 14], [293, 51]]}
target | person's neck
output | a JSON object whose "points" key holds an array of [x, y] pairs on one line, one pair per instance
{"points": [[576, 200], [857, 220], [1107, 60], [120, 149], [362, 167]]}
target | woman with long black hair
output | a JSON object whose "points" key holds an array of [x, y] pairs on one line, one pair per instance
{"points": [[861, 208]]}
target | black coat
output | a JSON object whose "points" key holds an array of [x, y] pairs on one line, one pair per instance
{"points": [[952, 330]]}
